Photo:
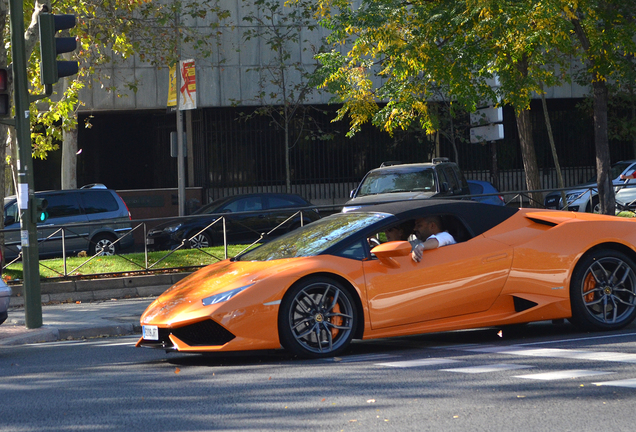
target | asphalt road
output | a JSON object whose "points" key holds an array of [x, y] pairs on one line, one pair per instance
{"points": [[541, 377]]}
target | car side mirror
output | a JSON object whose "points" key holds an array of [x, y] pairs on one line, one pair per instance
{"points": [[443, 187], [9, 220], [352, 193], [389, 250]]}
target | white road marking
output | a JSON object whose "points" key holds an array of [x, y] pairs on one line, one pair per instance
{"points": [[619, 383], [487, 368], [566, 374], [419, 362], [604, 356], [361, 358]]}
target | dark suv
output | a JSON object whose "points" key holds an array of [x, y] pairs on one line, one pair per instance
{"points": [[396, 181], [73, 209]]}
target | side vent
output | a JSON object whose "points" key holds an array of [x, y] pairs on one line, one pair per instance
{"points": [[522, 304], [542, 221]]}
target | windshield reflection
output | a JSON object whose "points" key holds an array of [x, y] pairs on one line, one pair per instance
{"points": [[314, 238]]}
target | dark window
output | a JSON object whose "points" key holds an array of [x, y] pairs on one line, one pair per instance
{"points": [[61, 205], [453, 184], [98, 202], [476, 188], [244, 205], [280, 202]]}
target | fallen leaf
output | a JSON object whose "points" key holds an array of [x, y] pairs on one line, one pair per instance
{"points": [[455, 416], [371, 401], [520, 397], [78, 302], [177, 370], [351, 421], [323, 399], [500, 334]]}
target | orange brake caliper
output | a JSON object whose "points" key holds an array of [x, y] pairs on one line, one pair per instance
{"points": [[589, 285], [337, 321]]}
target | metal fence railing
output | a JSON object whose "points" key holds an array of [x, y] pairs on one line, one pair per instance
{"points": [[139, 231]]}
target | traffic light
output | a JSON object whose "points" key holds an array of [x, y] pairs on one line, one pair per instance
{"points": [[39, 210], [5, 106], [51, 69]]}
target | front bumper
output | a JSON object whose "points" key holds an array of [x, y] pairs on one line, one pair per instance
{"points": [[192, 337]]}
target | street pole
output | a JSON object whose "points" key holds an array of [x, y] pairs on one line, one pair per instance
{"points": [[180, 158], [28, 232]]}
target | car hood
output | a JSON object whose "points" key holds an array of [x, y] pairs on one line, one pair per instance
{"points": [[387, 197], [183, 300]]}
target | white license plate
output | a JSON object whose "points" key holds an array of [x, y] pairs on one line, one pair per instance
{"points": [[150, 241], [150, 332]]}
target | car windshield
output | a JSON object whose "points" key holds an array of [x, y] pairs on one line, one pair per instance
{"points": [[389, 181], [314, 238], [617, 169]]}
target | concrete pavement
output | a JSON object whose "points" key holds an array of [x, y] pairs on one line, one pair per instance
{"points": [[84, 309]]}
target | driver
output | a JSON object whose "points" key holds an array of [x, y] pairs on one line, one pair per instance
{"points": [[429, 231]]}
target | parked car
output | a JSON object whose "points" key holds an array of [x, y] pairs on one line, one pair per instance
{"points": [[396, 181], [71, 209], [584, 197], [479, 187], [315, 289], [246, 218]]}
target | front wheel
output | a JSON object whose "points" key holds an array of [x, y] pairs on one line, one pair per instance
{"points": [[317, 318], [201, 240], [603, 291]]}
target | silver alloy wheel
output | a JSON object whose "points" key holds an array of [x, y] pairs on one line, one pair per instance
{"points": [[321, 318], [199, 241], [608, 290], [104, 246]]}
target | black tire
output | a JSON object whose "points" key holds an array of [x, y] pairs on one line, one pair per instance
{"points": [[603, 291], [317, 318], [200, 241], [103, 244]]}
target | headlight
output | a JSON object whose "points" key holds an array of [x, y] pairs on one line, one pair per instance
{"points": [[224, 296], [172, 228], [571, 197]]}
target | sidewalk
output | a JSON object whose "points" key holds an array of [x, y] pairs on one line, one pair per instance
{"points": [[76, 321], [85, 308]]}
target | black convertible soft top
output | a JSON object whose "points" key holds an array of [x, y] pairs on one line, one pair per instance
{"points": [[476, 217]]}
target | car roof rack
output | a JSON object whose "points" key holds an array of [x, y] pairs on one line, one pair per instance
{"points": [[437, 160], [390, 163]]}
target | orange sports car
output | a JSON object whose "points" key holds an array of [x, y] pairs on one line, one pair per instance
{"points": [[315, 289]]}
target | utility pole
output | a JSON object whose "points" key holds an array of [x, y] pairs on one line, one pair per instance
{"points": [[26, 203]]}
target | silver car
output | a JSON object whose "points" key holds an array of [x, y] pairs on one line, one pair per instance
{"points": [[94, 217], [584, 198]]}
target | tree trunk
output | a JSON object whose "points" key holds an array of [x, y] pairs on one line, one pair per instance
{"points": [[607, 199], [529, 158], [69, 159]]}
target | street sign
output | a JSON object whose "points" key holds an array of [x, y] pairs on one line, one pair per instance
{"points": [[484, 116], [490, 132]]}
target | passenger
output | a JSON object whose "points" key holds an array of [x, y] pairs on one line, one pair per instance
{"points": [[400, 232], [431, 236]]}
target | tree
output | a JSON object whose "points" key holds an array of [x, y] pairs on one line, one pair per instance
{"points": [[401, 51], [606, 33], [285, 80]]}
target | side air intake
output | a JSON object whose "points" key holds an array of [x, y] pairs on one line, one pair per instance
{"points": [[522, 304]]}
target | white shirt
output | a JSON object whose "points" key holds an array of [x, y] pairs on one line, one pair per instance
{"points": [[443, 238]]}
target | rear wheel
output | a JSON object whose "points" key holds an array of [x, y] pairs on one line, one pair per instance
{"points": [[317, 318], [103, 244], [603, 291]]}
